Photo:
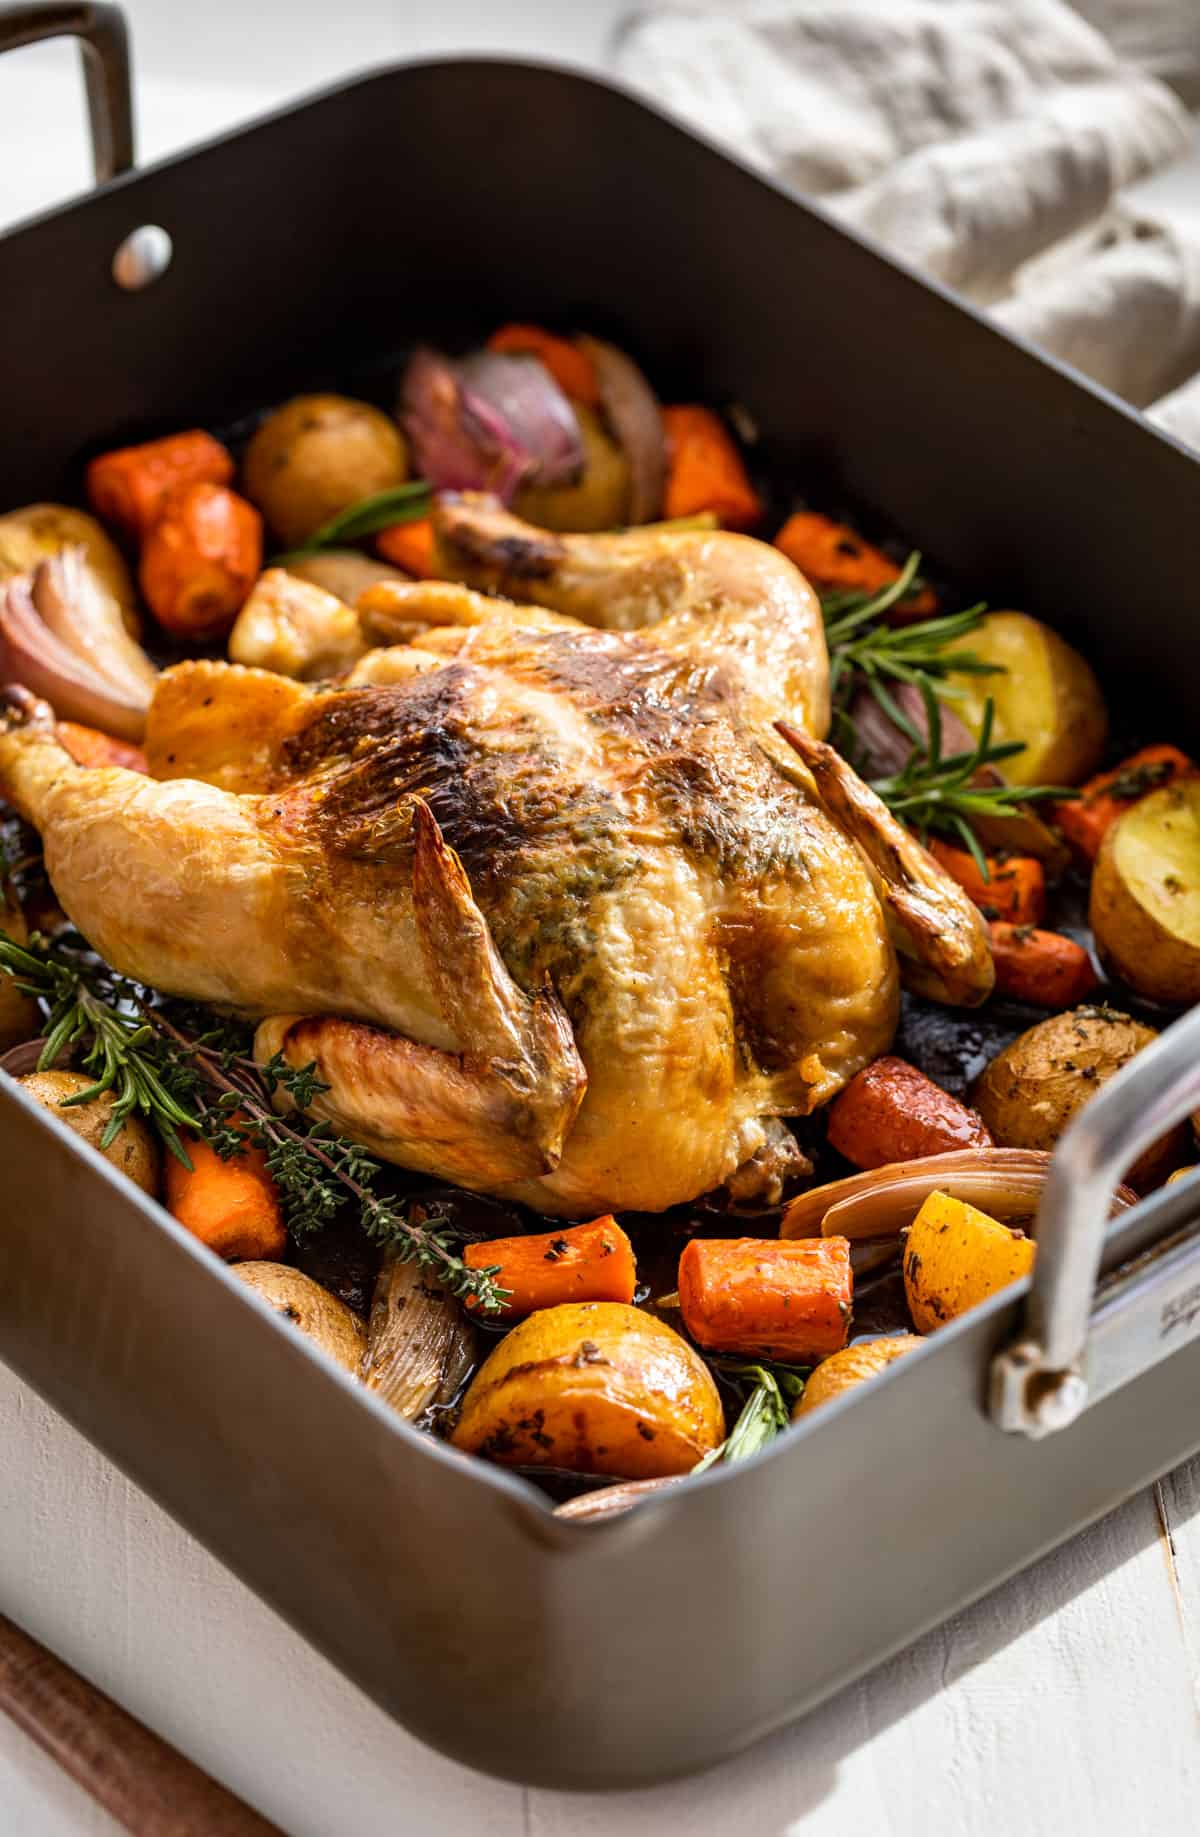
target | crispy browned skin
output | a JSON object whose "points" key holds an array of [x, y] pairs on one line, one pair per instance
{"points": [[532, 894]]}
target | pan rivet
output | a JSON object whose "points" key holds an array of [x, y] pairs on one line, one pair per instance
{"points": [[142, 258]]}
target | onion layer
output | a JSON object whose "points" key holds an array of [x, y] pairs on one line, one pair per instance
{"points": [[1004, 1182], [635, 418], [492, 423], [32, 654]]}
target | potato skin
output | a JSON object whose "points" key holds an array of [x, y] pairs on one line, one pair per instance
{"points": [[308, 1307], [317, 455], [955, 1256], [1030, 1092], [594, 1387], [134, 1152], [1047, 697], [344, 572], [1155, 845], [853, 1365], [598, 500]]}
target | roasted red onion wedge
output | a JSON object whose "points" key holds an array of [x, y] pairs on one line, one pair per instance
{"points": [[533, 408], [1004, 1182], [635, 418], [492, 423]]}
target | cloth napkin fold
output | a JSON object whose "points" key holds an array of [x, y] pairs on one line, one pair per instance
{"points": [[988, 142]]}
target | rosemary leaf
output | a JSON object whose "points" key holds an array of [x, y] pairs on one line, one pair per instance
{"points": [[382, 510]]}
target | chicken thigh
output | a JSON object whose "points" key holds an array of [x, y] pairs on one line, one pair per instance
{"points": [[554, 909]]}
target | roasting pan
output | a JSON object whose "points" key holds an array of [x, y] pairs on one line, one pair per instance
{"points": [[607, 1654]]}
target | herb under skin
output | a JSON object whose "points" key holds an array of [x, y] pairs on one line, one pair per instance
{"points": [[195, 1073], [766, 1413]]}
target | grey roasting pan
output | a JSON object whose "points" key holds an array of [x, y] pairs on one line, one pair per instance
{"points": [[554, 1652]]}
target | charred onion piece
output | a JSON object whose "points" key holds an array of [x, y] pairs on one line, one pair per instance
{"points": [[609, 1501], [1006, 1183], [635, 418], [419, 1346]]}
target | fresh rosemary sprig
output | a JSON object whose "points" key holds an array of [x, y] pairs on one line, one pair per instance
{"points": [[382, 510], [197, 1073], [91, 1008], [937, 793], [766, 1412]]}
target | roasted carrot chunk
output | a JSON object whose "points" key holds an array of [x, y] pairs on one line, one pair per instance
{"points": [[232, 1206], [593, 1262], [1041, 967], [88, 746], [1086, 819], [893, 1112], [786, 1299], [833, 555], [200, 560], [1015, 887], [128, 486], [408, 546], [571, 367], [705, 470]]}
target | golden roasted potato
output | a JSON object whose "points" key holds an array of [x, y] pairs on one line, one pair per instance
{"points": [[20, 1018], [851, 1366], [317, 455], [38, 531], [308, 1307], [344, 572], [600, 497], [133, 1151], [1145, 900], [1030, 1092], [596, 1387], [1044, 695], [955, 1256]]}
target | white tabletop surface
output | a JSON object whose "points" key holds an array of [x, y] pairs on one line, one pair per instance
{"points": [[1068, 1701]]}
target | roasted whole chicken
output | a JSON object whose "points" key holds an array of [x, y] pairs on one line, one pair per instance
{"points": [[556, 908]]}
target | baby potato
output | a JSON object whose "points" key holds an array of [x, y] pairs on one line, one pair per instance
{"points": [[1145, 898], [133, 1151], [1044, 694], [38, 531], [955, 1256], [308, 1307], [1030, 1092], [343, 572], [595, 1387], [599, 499], [20, 1018], [317, 455], [851, 1366]]}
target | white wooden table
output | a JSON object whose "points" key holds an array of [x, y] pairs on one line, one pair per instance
{"points": [[1066, 1702]]}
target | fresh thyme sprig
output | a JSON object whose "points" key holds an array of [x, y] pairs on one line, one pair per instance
{"points": [[382, 510], [766, 1412], [936, 793], [197, 1074]]}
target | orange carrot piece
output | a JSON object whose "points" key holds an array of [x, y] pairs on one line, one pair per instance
{"points": [[1041, 967], [200, 560], [88, 746], [593, 1262], [893, 1112], [1086, 819], [833, 555], [571, 368], [785, 1298], [408, 546], [127, 487], [1015, 888], [705, 470], [232, 1206]]}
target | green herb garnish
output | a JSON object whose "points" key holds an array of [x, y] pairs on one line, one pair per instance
{"points": [[383, 510], [766, 1412]]}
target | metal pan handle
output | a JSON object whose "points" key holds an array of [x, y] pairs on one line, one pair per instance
{"points": [[104, 49], [1074, 1348]]}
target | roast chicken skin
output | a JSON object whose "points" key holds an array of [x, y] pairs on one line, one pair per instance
{"points": [[554, 909]]}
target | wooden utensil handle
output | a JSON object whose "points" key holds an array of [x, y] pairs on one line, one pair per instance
{"points": [[147, 1786]]}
